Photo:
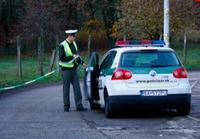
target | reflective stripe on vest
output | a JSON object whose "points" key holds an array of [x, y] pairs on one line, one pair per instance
{"points": [[68, 52]]}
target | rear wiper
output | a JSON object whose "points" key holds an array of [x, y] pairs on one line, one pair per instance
{"points": [[159, 66]]}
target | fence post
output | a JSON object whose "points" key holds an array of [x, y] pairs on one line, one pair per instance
{"points": [[53, 55], [124, 37], [40, 57], [57, 53], [185, 48], [19, 64], [89, 45], [160, 38]]}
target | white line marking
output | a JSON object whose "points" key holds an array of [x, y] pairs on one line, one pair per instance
{"points": [[194, 83], [193, 118]]}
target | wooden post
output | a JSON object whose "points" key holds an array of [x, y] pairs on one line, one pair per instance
{"points": [[185, 48], [52, 60], [19, 64], [89, 45], [40, 60], [57, 53], [160, 36], [124, 38]]}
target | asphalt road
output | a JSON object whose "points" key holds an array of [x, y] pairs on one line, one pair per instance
{"points": [[37, 113]]}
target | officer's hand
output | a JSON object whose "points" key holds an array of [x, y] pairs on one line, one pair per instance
{"points": [[84, 65], [75, 56]]}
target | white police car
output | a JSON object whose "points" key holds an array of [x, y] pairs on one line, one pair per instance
{"points": [[137, 74]]}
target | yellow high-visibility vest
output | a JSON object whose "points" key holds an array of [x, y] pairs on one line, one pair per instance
{"points": [[68, 52]]}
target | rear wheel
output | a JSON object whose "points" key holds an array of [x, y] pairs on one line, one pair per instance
{"points": [[184, 110], [108, 108]]}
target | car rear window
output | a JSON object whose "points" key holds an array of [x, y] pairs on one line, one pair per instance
{"points": [[149, 58]]}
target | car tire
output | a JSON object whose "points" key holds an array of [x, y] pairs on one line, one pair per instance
{"points": [[108, 108], [182, 111], [93, 105]]}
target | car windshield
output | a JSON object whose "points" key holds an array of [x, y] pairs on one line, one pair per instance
{"points": [[149, 58]]}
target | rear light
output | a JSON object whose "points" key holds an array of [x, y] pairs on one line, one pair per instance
{"points": [[180, 73], [121, 74]]}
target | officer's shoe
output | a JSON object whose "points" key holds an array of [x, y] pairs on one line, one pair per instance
{"points": [[66, 110], [81, 109]]}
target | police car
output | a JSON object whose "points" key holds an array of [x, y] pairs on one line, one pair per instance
{"points": [[137, 74]]}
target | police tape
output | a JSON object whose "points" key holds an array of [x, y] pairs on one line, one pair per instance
{"points": [[29, 82], [39, 78]]}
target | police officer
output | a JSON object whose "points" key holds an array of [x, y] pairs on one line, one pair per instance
{"points": [[69, 61]]}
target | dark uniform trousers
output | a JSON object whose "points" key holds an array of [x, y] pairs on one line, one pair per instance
{"points": [[71, 76]]}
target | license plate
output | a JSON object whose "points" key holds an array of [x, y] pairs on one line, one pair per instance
{"points": [[153, 92]]}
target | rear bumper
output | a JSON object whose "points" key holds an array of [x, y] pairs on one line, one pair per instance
{"points": [[134, 102]]}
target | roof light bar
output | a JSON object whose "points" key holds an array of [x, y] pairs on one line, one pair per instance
{"points": [[142, 42]]}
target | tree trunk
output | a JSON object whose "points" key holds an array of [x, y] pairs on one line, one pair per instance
{"points": [[40, 57], [185, 48], [57, 53], [19, 64], [89, 45], [52, 60]]}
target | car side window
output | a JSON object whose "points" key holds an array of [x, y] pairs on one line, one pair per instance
{"points": [[108, 60]]}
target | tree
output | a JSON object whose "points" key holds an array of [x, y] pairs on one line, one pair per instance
{"points": [[141, 19], [38, 21], [105, 10], [48, 18], [182, 15], [8, 19]]}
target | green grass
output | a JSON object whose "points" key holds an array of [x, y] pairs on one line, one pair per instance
{"points": [[8, 71], [8, 66], [193, 55]]}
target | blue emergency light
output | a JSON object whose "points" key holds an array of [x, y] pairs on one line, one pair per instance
{"points": [[146, 43]]}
